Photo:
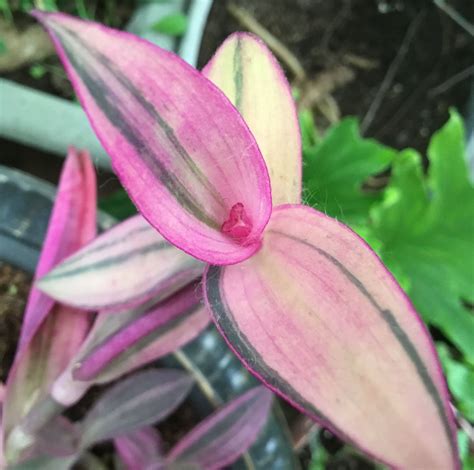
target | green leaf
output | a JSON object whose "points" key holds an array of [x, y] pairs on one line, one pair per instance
{"points": [[336, 169], [467, 457], [3, 47], [425, 229], [37, 71], [172, 25], [461, 381], [118, 205]]}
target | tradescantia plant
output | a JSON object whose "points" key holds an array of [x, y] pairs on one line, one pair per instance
{"points": [[300, 298], [42, 382]]}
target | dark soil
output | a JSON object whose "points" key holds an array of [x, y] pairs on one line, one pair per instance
{"points": [[326, 35], [14, 287]]}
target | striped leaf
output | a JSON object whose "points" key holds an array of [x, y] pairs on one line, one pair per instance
{"points": [[246, 71], [166, 327], [140, 449], [52, 333], [181, 150], [122, 268], [225, 435], [144, 398], [122, 342], [317, 317]]}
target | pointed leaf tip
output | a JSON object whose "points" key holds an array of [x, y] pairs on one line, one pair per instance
{"points": [[182, 151], [316, 316], [250, 76], [142, 399], [225, 435]]}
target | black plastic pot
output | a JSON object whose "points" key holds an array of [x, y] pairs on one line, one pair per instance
{"points": [[25, 205]]}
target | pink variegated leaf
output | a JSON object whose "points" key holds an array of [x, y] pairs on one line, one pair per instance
{"points": [[181, 150], [159, 324], [246, 71], [142, 399], [140, 449], [122, 342], [122, 268], [52, 333], [317, 317], [72, 224], [224, 436]]}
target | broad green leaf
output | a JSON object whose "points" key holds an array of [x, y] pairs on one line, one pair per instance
{"points": [[425, 227], [336, 169], [461, 381], [467, 456]]}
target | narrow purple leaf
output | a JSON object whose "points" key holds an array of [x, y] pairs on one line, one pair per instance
{"points": [[140, 449], [125, 266], [223, 437], [142, 399], [160, 322]]}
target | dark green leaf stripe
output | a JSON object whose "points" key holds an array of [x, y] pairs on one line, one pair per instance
{"points": [[112, 261], [110, 104], [238, 73], [108, 243]]}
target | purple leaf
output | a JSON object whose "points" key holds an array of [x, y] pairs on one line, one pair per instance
{"points": [[57, 439], [181, 150], [161, 326], [224, 436], [122, 268], [142, 399], [140, 449], [317, 317]]}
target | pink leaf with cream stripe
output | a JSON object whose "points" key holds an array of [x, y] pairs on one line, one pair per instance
{"points": [[316, 316], [125, 266], [181, 150]]}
